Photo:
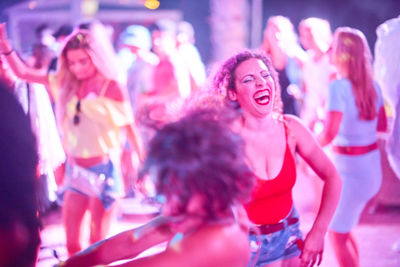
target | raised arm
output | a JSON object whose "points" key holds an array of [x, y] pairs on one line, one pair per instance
{"points": [[20, 69], [309, 149]]}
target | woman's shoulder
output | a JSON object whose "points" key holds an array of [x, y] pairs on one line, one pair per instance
{"points": [[114, 90], [225, 243], [292, 121]]}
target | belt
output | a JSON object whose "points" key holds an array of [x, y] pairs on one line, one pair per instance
{"points": [[266, 229], [355, 150]]}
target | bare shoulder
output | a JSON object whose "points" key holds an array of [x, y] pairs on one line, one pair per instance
{"points": [[226, 245], [294, 123], [114, 91]]}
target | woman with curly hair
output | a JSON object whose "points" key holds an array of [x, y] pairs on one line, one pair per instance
{"points": [[201, 177], [91, 110], [250, 83], [355, 115]]}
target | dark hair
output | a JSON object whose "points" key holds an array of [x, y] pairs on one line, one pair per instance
{"points": [[199, 154], [63, 30], [228, 67], [18, 206]]}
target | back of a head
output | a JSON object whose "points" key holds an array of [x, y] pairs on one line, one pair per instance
{"points": [[352, 56], [350, 50], [63, 31], [164, 25], [280, 34], [200, 155], [318, 31]]}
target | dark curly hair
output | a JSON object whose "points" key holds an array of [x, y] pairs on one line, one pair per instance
{"points": [[199, 154], [227, 71]]}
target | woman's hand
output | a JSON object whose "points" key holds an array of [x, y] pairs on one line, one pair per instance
{"points": [[313, 249], [5, 45]]}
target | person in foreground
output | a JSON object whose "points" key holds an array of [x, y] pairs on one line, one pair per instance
{"points": [[19, 222], [355, 114], [200, 174], [250, 85]]}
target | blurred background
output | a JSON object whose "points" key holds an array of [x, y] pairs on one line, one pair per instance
{"points": [[220, 26]]}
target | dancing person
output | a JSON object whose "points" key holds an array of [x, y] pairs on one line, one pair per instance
{"points": [[316, 38], [250, 83], [19, 223], [201, 178], [280, 42], [171, 78], [91, 110], [135, 43], [355, 114], [190, 55]]}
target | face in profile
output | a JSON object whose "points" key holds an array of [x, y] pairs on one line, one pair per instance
{"points": [[80, 64], [255, 89]]}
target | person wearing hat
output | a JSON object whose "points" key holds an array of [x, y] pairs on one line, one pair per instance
{"points": [[135, 53]]}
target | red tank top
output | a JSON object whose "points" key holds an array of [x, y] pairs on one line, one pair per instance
{"points": [[271, 200]]}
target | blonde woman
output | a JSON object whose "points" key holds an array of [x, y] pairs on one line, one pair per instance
{"points": [[280, 42], [91, 109], [355, 114]]}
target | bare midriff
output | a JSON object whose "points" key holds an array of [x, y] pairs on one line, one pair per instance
{"points": [[88, 162]]}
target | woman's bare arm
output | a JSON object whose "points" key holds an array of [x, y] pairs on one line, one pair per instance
{"points": [[125, 245], [309, 149], [331, 127], [20, 69]]}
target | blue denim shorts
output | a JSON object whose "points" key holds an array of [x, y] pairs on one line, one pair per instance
{"points": [[280, 245], [109, 190]]}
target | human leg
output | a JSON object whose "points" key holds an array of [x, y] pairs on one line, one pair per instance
{"points": [[345, 249], [73, 211], [100, 219]]}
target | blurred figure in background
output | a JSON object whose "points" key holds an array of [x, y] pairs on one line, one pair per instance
{"points": [[387, 74], [60, 34], [92, 108], [19, 224], [171, 79], [190, 55], [43, 49], [316, 38], [135, 43], [136, 40], [281, 44], [355, 115]]}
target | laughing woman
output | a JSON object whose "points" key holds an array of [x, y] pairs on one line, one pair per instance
{"points": [[250, 84], [91, 109]]}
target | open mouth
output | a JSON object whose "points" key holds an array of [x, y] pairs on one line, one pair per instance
{"points": [[262, 97]]}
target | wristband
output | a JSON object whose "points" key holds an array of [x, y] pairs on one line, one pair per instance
{"points": [[8, 53]]}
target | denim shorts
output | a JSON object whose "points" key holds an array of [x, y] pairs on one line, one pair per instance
{"points": [[280, 245], [111, 188]]}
